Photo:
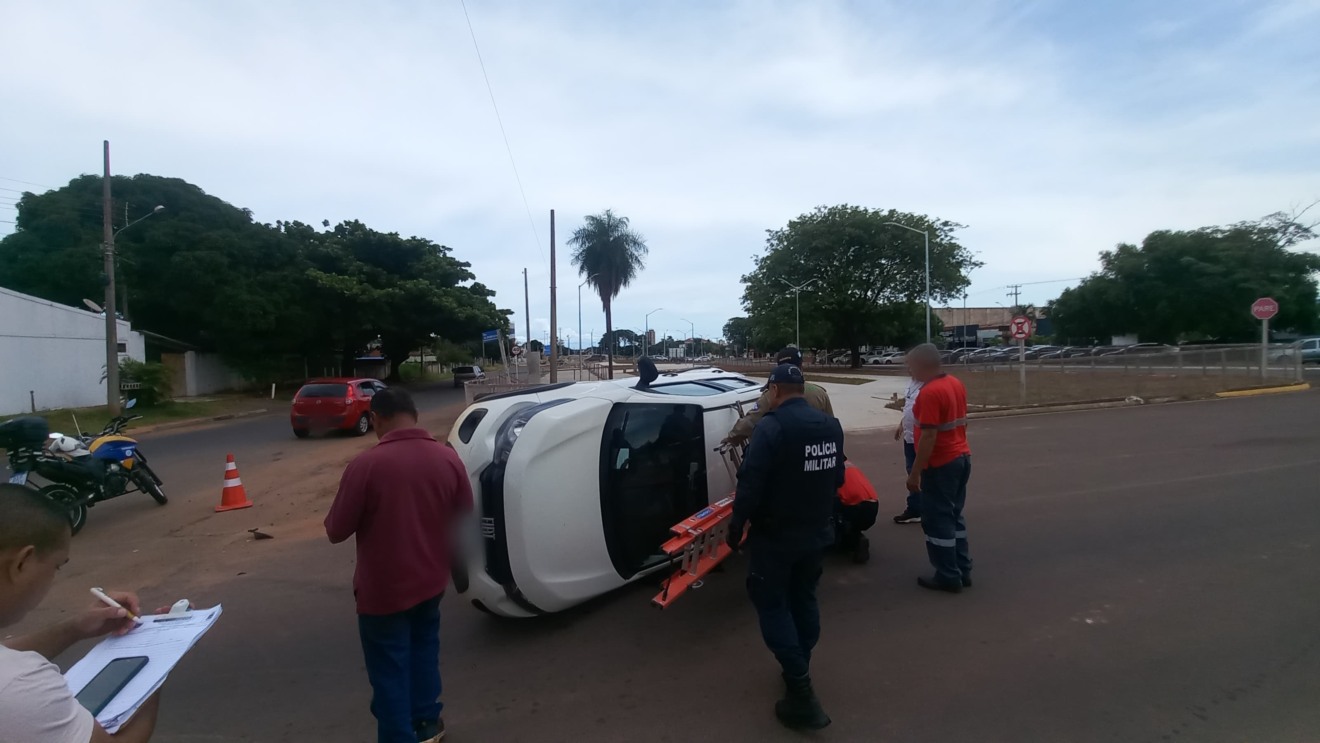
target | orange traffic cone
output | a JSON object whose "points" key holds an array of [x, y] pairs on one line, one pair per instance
{"points": [[234, 496]]}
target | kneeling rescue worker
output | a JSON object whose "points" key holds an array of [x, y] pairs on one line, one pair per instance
{"points": [[786, 491]]}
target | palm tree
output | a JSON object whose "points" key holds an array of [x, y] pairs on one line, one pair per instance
{"points": [[610, 254]]}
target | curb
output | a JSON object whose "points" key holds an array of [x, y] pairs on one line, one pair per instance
{"points": [[1300, 387], [198, 421], [1062, 408]]}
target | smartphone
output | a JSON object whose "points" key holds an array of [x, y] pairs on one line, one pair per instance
{"points": [[110, 681]]}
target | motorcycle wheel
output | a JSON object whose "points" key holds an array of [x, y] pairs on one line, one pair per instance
{"points": [[74, 503], [147, 484]]}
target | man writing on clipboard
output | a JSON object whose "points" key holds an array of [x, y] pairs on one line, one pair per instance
{"points": [[35, 702]]}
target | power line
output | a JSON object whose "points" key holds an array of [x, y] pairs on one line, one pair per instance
{"points": [[536, 235], [30, 183]]}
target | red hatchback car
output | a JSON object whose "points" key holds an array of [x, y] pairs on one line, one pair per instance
{"points": [[334, 404]]}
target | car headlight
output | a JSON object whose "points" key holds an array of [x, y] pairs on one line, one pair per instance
{"points": [[513, 427]]}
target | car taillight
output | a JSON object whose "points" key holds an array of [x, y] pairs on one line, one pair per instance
{"points": [[349, 398]]}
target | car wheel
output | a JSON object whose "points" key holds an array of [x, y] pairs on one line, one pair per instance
{"points": [[301, 433], [363, 425]]}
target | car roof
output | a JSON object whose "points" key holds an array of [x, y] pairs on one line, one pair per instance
{"points": [[624, 389], [341, 380]]}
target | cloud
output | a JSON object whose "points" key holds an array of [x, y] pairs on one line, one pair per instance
{"points": [[1052, 134]]}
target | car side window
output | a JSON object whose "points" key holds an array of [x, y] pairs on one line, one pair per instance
{"points": [[368, 389]]}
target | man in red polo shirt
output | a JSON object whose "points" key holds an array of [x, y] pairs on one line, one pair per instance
{"points": [[941, 469], [401, 499]]}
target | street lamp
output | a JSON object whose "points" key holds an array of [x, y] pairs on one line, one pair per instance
{"points": [[111, 320], [579, 338], [692, 335], [797, 309], [646, 329], [926, 235]]}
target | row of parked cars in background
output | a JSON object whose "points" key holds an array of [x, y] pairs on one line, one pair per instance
{"points": [[1010, 353]]}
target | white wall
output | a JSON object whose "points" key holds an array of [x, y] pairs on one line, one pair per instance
{"points": [[54, 353], [207, 374]]}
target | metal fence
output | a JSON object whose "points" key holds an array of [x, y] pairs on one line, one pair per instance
{"points": [[1184, 372], [1277, 362]]}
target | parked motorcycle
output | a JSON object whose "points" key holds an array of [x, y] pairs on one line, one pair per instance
{"points": [[82, 470]]}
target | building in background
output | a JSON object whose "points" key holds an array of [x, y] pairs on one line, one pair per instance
{"points": [[977, 325], [53, 355]]}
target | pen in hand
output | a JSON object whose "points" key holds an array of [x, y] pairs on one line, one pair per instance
{"points": [[103, 598]]}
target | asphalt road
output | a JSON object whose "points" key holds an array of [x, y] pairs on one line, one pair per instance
{"points": [[193, 460], [1143, 574]]}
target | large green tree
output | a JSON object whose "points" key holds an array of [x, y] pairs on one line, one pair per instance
{"points": [[1195, 285], [609, 254], [867, 278], [204, 272], [738, 332]]}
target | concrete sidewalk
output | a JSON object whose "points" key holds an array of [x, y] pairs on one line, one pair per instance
{"points": [[861, 407]]}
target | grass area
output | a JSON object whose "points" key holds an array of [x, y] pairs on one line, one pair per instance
{"points": [[1000, 387], [92, 419], [813, 377]]}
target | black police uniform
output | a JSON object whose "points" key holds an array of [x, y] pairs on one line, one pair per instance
{"points": [[787, 489]]}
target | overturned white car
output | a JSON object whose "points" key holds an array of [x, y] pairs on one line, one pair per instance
{"points": [[577, 484]]}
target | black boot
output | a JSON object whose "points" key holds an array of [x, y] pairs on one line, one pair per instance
{"points": [[800, 708]]}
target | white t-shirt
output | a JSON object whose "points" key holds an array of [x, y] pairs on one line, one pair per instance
{"points": [[910, 420], [36, 704]]}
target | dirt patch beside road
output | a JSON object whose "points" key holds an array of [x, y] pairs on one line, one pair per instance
{"points": [[186, 549]]}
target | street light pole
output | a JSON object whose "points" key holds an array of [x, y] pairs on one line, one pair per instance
{"points": [[797, 309], [646, 329], [927, 236], [692, 335], [108, 233]]}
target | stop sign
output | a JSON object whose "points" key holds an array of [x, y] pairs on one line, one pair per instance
{"points": [[1264, 308]]}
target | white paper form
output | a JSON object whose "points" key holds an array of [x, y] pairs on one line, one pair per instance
{"points": [[163, 639]]}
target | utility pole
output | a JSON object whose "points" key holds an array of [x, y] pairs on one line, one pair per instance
{"points": [[554, 310], [527, 310], [111, 326], [1014, 290]]}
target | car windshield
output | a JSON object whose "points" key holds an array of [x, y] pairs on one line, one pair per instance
{"points": [[323, 390], [687, 389], [465, 370], [729, 383]]}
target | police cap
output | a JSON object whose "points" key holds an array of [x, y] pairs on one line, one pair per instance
{"points": [[787, 374]]}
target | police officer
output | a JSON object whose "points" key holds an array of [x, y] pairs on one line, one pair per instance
{"points": [[786, 492], [816, 396]]}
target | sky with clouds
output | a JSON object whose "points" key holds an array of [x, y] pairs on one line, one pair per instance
{"points": [[1054, 129]]}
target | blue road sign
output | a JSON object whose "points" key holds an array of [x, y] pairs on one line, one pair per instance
{"points": [[490, 336]]}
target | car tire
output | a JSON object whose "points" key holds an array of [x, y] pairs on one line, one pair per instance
{"points": [[301, 433], [362, 426]]}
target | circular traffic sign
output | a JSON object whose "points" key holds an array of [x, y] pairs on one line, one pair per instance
{"points": [[1264, 308], [1020, 328], [516, 350]]}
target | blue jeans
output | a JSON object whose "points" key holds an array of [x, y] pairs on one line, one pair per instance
{"points": [[402, 651], [910, 456], [943, 493], [782, 586]]}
